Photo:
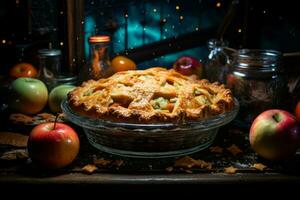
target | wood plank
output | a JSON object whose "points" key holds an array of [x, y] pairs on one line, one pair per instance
{"points": [[107, 178]]}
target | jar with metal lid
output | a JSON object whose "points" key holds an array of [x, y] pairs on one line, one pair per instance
{"points": [[217, 63], [98, 66], [257, 80], [51, 72]]}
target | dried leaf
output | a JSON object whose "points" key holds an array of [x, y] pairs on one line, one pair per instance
{"points": [[188, 171], [209, 166], [102, 162], [202, 164], [188, 163], [14, 139], [233, 149], [19, 154], [230, 170], [46, 116], [61, 116], [19, 118], [216, 149], [89, 169], [259, 166], [169, 169], [185, 162], [118, 163]]}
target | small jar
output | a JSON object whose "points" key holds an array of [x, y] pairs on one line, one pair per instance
{"points": [[217, 63], [256, 79], [50, 70], [98, 65]]}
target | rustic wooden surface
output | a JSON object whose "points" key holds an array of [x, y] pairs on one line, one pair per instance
{"points": [[153, 171]]}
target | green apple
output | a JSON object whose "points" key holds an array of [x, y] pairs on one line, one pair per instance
{"points": [[57, 95], [28, 95]]}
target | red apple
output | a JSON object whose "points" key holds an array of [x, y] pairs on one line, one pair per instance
{"points": [[275, 134], [230, 80], [53, 146], [297, 111], [188, 65]]}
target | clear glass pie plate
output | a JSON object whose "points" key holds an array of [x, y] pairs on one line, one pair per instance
{"points": [[150, 140]]}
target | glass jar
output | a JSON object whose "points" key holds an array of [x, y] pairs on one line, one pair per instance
{"points": [[256, 79], [50, 70], [217, 64], [98, 65]]}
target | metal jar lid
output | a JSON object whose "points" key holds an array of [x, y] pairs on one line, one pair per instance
{"points": [[49, 52], [213, 43], [99, 38]]}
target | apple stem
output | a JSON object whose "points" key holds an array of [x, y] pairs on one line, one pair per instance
{"points": [[55, 121], [276, 117]]}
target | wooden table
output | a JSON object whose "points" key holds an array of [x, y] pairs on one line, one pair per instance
{"points": [[151, 173]]}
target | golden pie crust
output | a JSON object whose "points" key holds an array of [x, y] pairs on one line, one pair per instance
{"points": [[150, 96]]}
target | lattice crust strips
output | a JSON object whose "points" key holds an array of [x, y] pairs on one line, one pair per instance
{"points": [[152, 95]]}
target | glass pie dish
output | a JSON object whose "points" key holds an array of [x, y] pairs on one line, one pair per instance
{"points": [[150, 140]]}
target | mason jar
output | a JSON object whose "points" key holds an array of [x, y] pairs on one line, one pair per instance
{"points": [[98, 66], [257, 81], [51, 72]]}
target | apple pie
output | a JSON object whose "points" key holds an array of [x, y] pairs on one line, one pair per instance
{"points": [[150, 96]]}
